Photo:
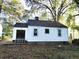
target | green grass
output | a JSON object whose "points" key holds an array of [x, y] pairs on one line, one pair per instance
{"points": [[39, 51]]}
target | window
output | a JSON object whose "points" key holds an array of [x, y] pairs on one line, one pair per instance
{"points": [[47, 31], [59, 32], [35, 32]]}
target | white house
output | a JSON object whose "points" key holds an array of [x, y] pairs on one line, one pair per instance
{"points": [[40, 31]]}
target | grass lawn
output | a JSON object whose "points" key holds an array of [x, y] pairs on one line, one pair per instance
{"points": [[39, 51]]}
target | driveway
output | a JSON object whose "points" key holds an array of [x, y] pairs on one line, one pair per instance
{"points": [[2, 42]]}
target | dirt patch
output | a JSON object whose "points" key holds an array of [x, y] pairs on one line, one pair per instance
{"points": [[2, 42], [38, 51]]}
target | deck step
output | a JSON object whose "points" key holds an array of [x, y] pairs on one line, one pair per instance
{"points": [[20, 41]]}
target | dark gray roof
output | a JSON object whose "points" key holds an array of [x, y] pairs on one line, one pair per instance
{"points": [[21, 25], [45, 23], [40, 23]]}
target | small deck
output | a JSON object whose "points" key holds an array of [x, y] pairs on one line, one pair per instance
{"points": [[20, 41]]}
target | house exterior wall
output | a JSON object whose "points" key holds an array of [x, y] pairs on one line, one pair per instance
{"points": [[42, 36], [15, 32]]}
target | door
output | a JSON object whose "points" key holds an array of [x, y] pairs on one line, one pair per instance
{"points": [[20, 34]]}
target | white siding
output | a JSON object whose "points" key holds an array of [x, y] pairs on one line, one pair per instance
{"points": [[42, 36]]}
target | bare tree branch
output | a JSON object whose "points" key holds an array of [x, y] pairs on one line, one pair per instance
{"points": [[53, 16], [55, 11], [52, 8], [76, 15], [60, 9], [66, 6]]}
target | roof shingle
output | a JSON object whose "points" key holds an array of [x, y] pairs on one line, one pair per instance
{"points": [[21, 25], [40, 23], [45, 23]]}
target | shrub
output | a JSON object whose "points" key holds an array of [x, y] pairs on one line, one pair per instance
{"points": [[75, 42]]}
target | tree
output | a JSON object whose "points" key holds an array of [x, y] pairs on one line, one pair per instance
{"points": [[70, 22], [77, 2], [57, 8], [14, 9], [1, 1], [77, 6]]}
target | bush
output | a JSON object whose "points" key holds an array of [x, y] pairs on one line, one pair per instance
{"points": [[75, 42], [7, 32], [0, 38]]}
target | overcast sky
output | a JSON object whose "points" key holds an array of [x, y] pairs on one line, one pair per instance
{"points": [[24, 4]]}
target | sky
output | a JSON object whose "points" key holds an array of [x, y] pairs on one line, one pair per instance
{"points": [[23, 3]]}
